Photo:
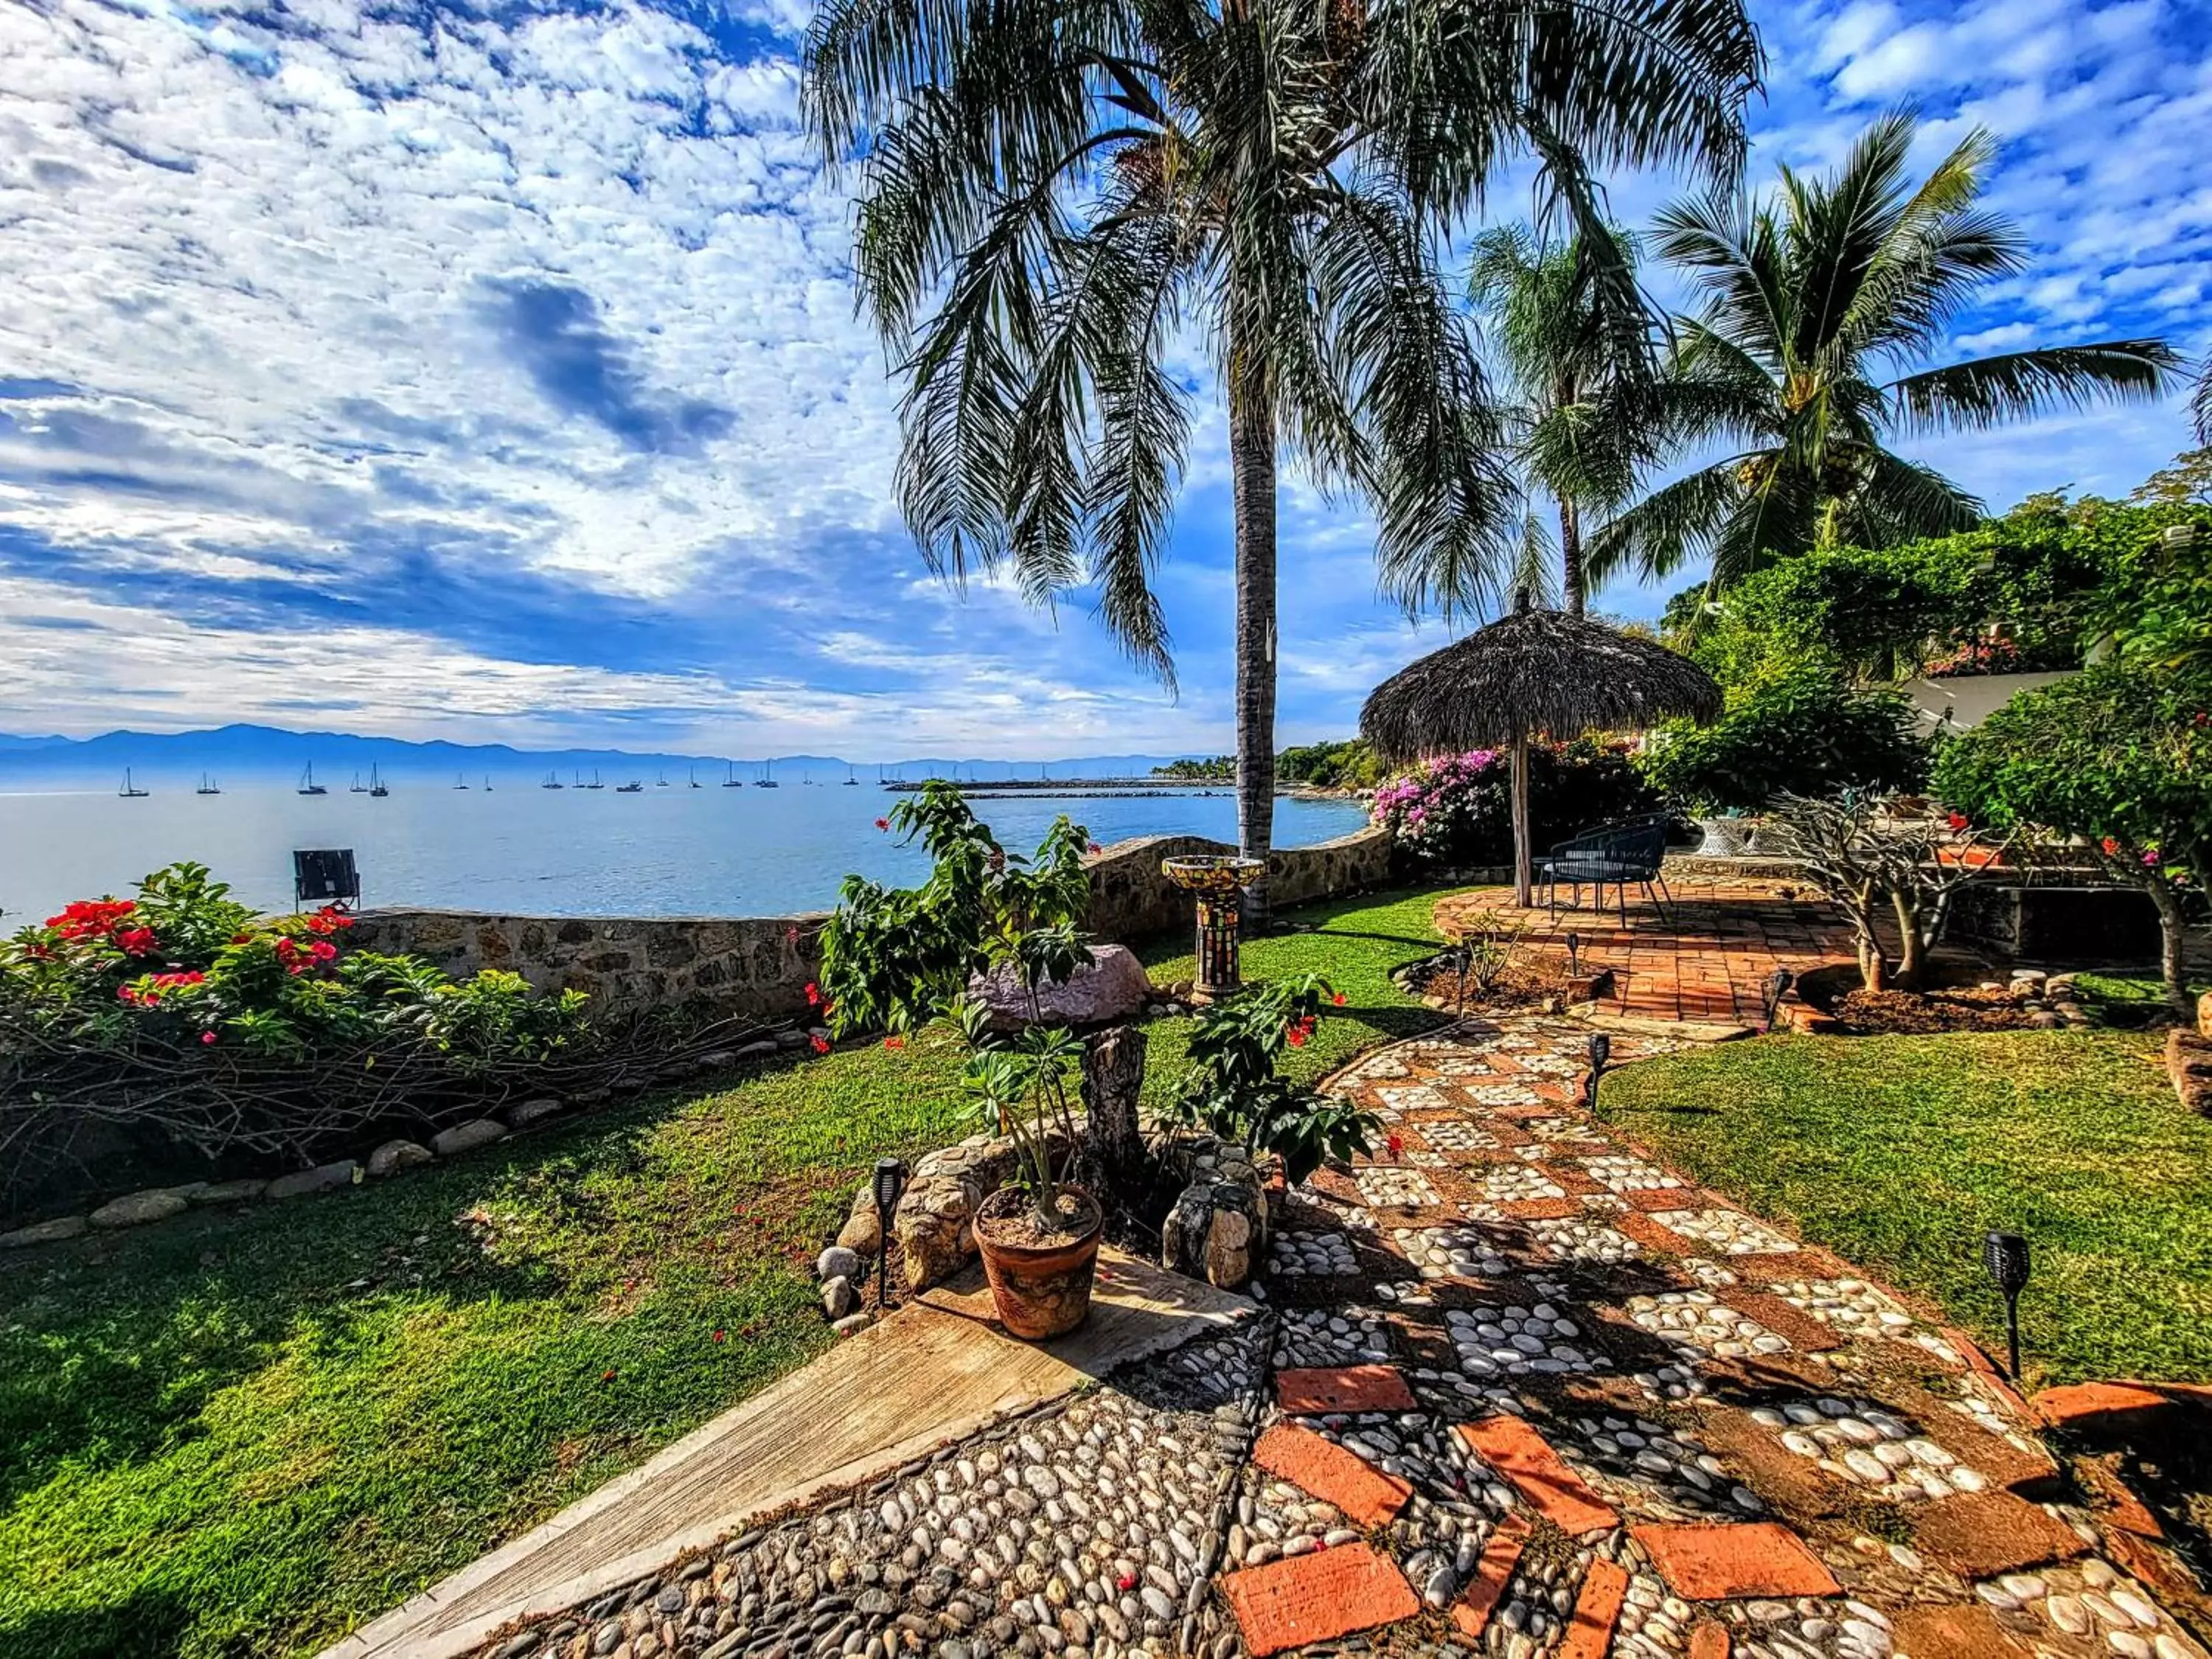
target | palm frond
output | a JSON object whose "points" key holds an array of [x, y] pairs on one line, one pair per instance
{"points": [[1670, 527], [1988, 391]]}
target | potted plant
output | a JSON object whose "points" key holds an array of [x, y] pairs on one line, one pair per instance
{"points": [[897, 960]]}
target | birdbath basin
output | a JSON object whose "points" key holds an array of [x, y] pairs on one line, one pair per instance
{"points": [[1219, 881]]}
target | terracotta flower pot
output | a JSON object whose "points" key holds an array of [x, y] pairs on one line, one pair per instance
{"points": [[1041, 1282]]}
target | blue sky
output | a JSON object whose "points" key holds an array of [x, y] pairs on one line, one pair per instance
{"points": [[490, 374]]}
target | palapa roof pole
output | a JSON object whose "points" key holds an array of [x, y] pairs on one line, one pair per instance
{"points": [[1528, 672]]}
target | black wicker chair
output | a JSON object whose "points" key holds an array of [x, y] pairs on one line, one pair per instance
{"points": [[1614, 854]]}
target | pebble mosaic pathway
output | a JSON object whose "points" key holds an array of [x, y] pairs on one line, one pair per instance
{"points": [[1517, 1392]]}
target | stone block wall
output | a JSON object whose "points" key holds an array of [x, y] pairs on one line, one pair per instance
{"points": [[758, 967], [1130, 900]]}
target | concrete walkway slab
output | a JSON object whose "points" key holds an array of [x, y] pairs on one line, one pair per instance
{"points": [[936, 1371]]}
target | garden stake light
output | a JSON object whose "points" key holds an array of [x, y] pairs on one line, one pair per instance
{"points": [[1778, 986], [1574, 954], [1600, 1050], [889, 1182], [2005, 1255]]}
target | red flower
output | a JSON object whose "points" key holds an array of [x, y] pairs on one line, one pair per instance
{"points": [[241, 939], [135, 941], [1339, 999], [813, 994], [718, 1336], [1958, 821], [1295, 1035], [1396, 1144], [126, 992], [883, 824], [207, 1036], [1094, 847], [323, 951], [2111, 847], [1128, 1581], [821, 1044], [894, 1042]]}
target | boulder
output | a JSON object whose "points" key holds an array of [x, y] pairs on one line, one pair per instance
{"points": [[1213, 1232], [44, 1232], [935, 1223], [323, 1178], [394, 1156], [760, 1050], [839, 1298], [466, 1137], [2188, 1061], [136, 1209], [837, 1262], [852, 1322], [226, 1191], [863, 1232], [532, 1111], [1113, 987]]}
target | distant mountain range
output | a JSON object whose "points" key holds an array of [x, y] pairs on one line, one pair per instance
{"points": [[244, 755]]}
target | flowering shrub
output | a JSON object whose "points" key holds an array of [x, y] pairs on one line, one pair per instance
{"points": [[1976, 657], [185, 965], [1233, 1091], [1457, 808]]}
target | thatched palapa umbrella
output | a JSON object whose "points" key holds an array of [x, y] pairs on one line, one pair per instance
{"points": [[1532, 672]]}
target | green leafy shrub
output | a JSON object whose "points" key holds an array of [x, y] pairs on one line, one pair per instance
{"points": [[1234, 1092], [898, 959], [2118, 756], [1457, 810], [1800, 731], [1348, 765]]}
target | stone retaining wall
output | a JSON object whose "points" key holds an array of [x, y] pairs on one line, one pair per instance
{"points": [[758, 967]]}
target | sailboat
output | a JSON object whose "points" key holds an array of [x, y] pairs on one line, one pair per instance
{"points": [[358, 787], [729, 778], [767, 779], [309, 787], [207, 785], [552, 781], [595, 783], [377, 788], [460, 782], [852, 782], [487, 783], [694, 777], [131, 791], [663, 781]]}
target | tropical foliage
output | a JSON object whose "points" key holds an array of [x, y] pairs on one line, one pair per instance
{"points": [[1821, 303], [896, 959], [1233, 1089], [2118, 756], [1575, 381], [1352, 764], [1800, 731], [1054, 199], [1456, 811]]}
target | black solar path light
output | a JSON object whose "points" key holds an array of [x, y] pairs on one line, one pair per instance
{"points": [[889, 1182], [1778, 986], [1600, 1050], [2005, 1255]]}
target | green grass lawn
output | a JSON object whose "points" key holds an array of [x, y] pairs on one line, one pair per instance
{"points": [[245, 1434], [1900, 1153]]}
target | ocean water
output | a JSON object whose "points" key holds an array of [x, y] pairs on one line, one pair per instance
{"points": [[523, 850]]}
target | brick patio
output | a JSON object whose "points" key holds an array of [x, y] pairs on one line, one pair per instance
{"points": [[1707, 963]]}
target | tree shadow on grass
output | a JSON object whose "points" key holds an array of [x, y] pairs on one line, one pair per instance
{"points": [[147, 1624]]}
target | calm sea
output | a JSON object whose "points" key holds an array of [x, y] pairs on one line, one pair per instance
{"points": [[524, 850]]}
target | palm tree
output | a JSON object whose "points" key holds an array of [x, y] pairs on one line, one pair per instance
{"points": [[1057, 198], [1578, 372], [1811, 298]]}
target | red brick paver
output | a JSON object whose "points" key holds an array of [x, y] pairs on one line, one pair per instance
{"points": [[1526, 1461], [1589, 1629], [1366, 1495], [1724, 1563], [1709, 1641], [1492, 1573], [1313, 1598], [1316, 1392]]}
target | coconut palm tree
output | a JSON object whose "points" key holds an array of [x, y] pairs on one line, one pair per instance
{"points": [[1819, 303], [1072, 213], [1576, 370]]}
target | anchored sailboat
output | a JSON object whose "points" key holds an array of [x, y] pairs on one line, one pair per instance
{"points": [[131, 791], [309, 787], [377, 787], [207, 785], [767, 779], [552, 781]]}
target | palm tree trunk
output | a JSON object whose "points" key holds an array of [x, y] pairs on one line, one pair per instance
{"points": [[1252, 464], [1524, 862], [1570, 558]]}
